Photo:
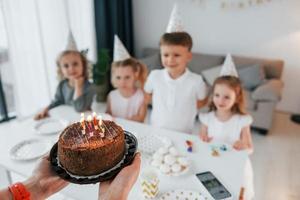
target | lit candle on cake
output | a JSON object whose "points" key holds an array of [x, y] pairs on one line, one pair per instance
{"points": [[90, 123], [82, 125], [89, 118], [100, 126], [99, 120], [95, 121]]}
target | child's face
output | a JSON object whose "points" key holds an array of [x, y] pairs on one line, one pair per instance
{"points": [[124, 77], [175, 58], [71, 66], [224, 97]]}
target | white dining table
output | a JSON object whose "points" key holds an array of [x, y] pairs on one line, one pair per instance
{"points": [[228, 167]]}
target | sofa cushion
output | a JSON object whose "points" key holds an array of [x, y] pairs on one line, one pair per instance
{"points": [[152, 62], [211, 74], [251, 76], [202, 62], [269, 91], [272, 67]]}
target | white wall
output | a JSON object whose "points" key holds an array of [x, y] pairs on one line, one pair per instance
{"points": [[270, 30]]}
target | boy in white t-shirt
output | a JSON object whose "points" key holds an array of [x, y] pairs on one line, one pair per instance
{"points": [[176, 92]]}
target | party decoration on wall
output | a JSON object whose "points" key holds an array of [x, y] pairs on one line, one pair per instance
{"points": [[241, 4], [233, 4], [197, 1]]}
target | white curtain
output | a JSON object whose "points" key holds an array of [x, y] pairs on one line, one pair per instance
{"points": [[37, 33]]}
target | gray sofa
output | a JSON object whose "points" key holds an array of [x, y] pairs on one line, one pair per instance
{"points": [[261, 79]]}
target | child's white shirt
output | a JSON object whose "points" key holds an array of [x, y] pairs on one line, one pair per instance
{"points": [[125, 107], [228, 131], [174, 101]]}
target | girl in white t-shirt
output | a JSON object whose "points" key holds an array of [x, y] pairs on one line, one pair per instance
{"points": [[227, 122], [127, 100]]}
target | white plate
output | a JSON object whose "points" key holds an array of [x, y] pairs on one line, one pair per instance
{"points": [[182, 195], [50, 126], [150, 143], [30, 149]]}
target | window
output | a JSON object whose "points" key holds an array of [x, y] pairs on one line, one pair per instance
{"points": [[7, 103]]}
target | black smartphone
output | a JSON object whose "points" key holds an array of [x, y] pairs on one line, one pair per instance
{"points": [[213, 185]]}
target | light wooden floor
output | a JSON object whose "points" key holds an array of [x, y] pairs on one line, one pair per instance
{"points": [[276, 161]]}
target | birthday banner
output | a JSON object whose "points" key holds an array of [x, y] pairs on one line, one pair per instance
{"points": [[241, 4], [234, 4]]}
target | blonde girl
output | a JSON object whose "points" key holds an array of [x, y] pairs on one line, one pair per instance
{"points": [[128, 100], [74, 88]]}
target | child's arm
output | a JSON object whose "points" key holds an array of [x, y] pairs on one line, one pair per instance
{"points": [[245, 141], [43, 114], [202, 103], [78, 87], [108, 106], [203, 134], [202, 93], [58, 100], [83, 97], [140, 116], [148, 98]]}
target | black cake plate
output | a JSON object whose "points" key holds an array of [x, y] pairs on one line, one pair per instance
{"points": [[131, 149]]}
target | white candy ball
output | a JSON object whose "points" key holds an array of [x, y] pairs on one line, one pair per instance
{"points": [[169, 159], [183, 161], [162, 150], [173, 151], [168, 143], [156, 163], [165, 168], [158, 156], [176, 168]]}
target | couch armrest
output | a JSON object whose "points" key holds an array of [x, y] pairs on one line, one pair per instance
{"points": [[269, 91]]}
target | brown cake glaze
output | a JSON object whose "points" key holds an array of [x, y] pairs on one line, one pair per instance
{"points": [[93, 151]]}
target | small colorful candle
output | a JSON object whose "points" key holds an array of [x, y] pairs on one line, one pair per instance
{"points": [[95, 121], [82, 125], [100, 120], [89, 119], [82, 122], [102, 133]]}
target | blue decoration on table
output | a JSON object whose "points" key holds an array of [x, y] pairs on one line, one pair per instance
{"points": [[223, 147]]}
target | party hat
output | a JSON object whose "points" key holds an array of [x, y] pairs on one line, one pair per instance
{"points": [[228, 68], [71, 45], [175, 21], [120, 52]]}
